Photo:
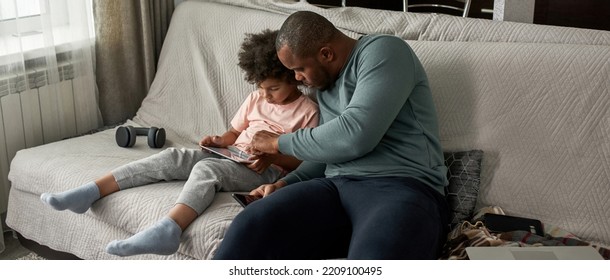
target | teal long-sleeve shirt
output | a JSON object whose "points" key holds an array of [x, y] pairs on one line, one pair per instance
{"points": [[378, 119]]}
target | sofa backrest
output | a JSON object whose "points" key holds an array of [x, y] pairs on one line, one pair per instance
{"points": [[541, 114], [535, 98], [431, 27]]}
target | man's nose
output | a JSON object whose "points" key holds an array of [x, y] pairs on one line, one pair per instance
{"points": [[298, 76]]}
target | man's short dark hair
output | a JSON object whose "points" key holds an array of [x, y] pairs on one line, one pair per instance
{"points": [[304, 33], [258, 58]]}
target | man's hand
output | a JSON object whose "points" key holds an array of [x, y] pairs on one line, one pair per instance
{"points": [[264, 142], [267, 189]]}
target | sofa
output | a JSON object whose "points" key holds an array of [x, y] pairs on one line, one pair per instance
{"points": [[523, 112]]}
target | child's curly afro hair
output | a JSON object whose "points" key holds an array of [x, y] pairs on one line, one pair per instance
{"points": [[258, 58]]}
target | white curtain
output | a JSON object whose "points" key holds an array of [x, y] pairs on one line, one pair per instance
{"points": [[47, 81]]}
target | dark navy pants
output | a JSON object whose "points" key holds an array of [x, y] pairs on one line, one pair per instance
{"points": [[341, 217]]}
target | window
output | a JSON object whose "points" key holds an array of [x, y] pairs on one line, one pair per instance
{"points": [[30, 25], [22, 8]]}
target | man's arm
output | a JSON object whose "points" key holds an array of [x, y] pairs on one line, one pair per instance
{"points": [[306, 171], [383, 86]]}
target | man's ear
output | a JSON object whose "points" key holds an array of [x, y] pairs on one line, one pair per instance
{"points": [[327, 54]]}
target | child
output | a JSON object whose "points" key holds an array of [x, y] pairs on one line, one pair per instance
{"points": [[276, 106]]}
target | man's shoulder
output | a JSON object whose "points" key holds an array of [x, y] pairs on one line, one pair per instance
{"points": [[381, 45], [381, 39]]}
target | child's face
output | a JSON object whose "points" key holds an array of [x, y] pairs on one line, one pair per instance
{"points": [[276, 91]]}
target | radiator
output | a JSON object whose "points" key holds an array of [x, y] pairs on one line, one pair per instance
{"points": [[34, 112]]}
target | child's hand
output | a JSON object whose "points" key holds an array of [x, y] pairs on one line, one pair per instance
{"points": [[251, 151], [261, 163], [212, 141]]}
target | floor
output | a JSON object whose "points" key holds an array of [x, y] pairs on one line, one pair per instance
{"points": [[13, 249]]}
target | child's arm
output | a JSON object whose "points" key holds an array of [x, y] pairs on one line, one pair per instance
{"points": [[287, 162], [262, 162], [222, 141]]}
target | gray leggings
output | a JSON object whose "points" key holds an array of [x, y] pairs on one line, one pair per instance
{"points": [[205, 174]]}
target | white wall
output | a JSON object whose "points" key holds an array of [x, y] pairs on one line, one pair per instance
{"points": [[514, 10]]}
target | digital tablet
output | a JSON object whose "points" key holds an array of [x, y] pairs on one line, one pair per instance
{"points": [[230, 152]]}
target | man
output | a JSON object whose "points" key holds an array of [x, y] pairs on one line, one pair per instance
{"points": [[372, 182]]}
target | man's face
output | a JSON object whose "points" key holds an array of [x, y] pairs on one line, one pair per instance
{"points": [[308, 70]]}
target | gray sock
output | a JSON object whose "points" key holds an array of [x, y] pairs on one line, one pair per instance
{"points": [[163, 238], [77, 200]]}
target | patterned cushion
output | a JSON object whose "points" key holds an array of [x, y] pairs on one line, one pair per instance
{"points": [[464, 169]]}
